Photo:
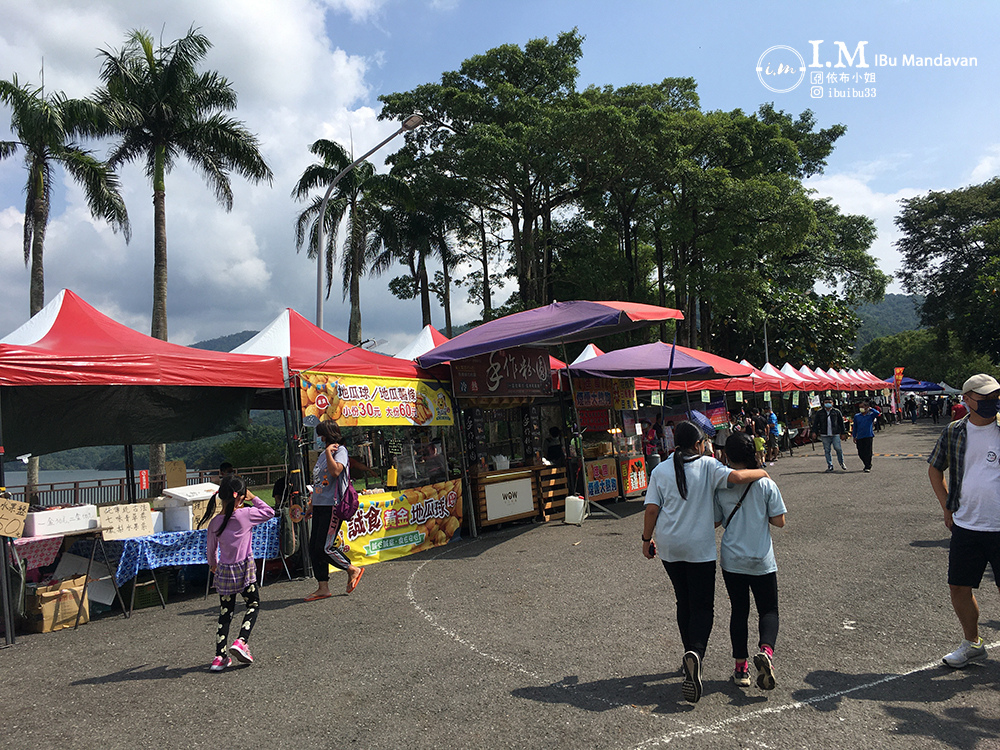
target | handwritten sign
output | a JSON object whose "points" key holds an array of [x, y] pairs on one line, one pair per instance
{"points": [[126, 521], [12, 515]]}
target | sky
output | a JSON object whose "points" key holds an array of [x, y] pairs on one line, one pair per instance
{"points": [[308, 69]]}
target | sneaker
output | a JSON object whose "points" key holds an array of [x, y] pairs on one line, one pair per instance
{"points": [[867, 471], [829, 469], [241, 652], [219, 663], [691, 687], [844, 467], [741, 677], [967, 652], [765, 671]]}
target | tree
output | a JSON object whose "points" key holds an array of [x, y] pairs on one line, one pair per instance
{"points": [[509, 121], [925, 354], [46, 128], [360, 197], [950, 244], [160, 107]]}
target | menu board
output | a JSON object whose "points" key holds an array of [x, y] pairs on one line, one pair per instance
{"points": [[507, 373], [531, 426], [475, 437], [126, 521]]}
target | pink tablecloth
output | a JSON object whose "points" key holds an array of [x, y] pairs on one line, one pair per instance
{"points": [[38, 551]]}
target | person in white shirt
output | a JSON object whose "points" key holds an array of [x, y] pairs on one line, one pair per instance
{"points": [[680, 512], [969, 448], [747, 560]]}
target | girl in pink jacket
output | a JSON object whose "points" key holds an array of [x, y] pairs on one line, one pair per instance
{"points": [[231, 560]]}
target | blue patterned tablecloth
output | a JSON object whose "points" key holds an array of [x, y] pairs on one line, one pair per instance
{"points": [[175, 548]]}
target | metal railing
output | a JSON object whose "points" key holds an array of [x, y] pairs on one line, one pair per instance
{"points": [[114, 490]]}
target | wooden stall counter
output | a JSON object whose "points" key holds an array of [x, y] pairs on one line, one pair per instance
{"points": [[512, 494]]}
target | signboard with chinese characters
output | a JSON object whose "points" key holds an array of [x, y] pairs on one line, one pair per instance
{"points": [[126, 521], [12, 515], [634, 475], [507, 373], [605, 393], [601, 478], [595, 419], [395, 524], [370, 400]]}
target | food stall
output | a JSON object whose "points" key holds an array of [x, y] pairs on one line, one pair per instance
{"points": [[395, 427], [498, 395], [613, 462]]}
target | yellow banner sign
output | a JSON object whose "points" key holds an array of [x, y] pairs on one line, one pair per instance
{"points": [[372, 400], [395, 524]]}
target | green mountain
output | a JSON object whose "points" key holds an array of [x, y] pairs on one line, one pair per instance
{"points": [[894, 314], [226, 343]]}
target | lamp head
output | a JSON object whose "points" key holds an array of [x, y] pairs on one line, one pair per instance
{"points": [[413, 122]]}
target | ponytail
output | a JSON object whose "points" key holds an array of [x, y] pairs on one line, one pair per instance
{"points": [[231, 488], [686, 437]]}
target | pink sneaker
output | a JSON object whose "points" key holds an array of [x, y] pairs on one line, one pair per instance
{"points": [[219, 663], [241, 652]]}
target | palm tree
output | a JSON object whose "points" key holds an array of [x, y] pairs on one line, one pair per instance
{"points": [[160, 107], [46, 128], [360, 197]]}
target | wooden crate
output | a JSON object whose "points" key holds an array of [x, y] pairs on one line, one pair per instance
{"points": [[553, 488]]}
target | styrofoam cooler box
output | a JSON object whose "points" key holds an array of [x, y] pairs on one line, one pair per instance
{"points": [[157, 520], [61, 520], [180, 517]]}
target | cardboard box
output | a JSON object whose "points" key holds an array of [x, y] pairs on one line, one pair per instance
{"points": [[61, 520], [55, 607], [100, 590]]}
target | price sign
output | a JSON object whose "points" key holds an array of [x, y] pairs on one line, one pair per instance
{"points": [[12, 515], [126, 521]]}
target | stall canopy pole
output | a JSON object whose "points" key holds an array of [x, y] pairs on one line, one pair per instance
{"points": [[6, 547], [593, 508]]}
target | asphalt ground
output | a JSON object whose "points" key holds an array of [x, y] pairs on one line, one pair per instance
{"points": [[553, 636]]}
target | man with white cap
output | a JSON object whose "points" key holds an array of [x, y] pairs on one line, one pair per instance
{"points": [[969, 449]]}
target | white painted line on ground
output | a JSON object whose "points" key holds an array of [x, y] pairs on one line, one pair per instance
{"points": [[719, 726], [665, 739]]}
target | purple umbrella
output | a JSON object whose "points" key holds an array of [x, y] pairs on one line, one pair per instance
{"points": [[662, 361], [558, 323]]}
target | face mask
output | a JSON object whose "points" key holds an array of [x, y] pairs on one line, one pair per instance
{"points": [[827, 405], [987, 409], [864, 409]]}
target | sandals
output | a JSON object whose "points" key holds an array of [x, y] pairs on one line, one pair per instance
{"points": [[352, 583]]}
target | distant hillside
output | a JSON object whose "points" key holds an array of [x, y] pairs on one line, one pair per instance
{"points": [[226, 343], [895, 314]]}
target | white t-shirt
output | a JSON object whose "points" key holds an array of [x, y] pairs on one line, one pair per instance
{"points": [[979, 505], [746, 543], [685, 528]]}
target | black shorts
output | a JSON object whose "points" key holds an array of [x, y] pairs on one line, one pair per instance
{"points": [[968, 555]]}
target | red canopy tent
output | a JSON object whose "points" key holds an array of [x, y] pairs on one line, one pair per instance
{"points": [[71, 377], [306, 346]]}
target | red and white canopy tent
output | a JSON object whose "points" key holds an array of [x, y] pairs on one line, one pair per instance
{"points": [[71, 377]]}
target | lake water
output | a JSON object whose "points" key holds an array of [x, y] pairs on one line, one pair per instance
{"points": [[19, 478]]}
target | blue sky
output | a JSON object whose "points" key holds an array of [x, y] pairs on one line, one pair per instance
{"points": [[307, 69]]}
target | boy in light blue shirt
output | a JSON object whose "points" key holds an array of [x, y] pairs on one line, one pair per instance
{"points": [[747, 558]]}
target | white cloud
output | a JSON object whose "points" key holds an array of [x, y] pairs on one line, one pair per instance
{"points": [[359, 10], [227, 272], [854, 195], [988, 166]]}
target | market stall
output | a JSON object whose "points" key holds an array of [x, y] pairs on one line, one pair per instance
{"points": [[72, 377], [399, 421], [555, 324]]}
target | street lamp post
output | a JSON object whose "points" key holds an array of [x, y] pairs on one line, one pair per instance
{"points": [[412, 122]]}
